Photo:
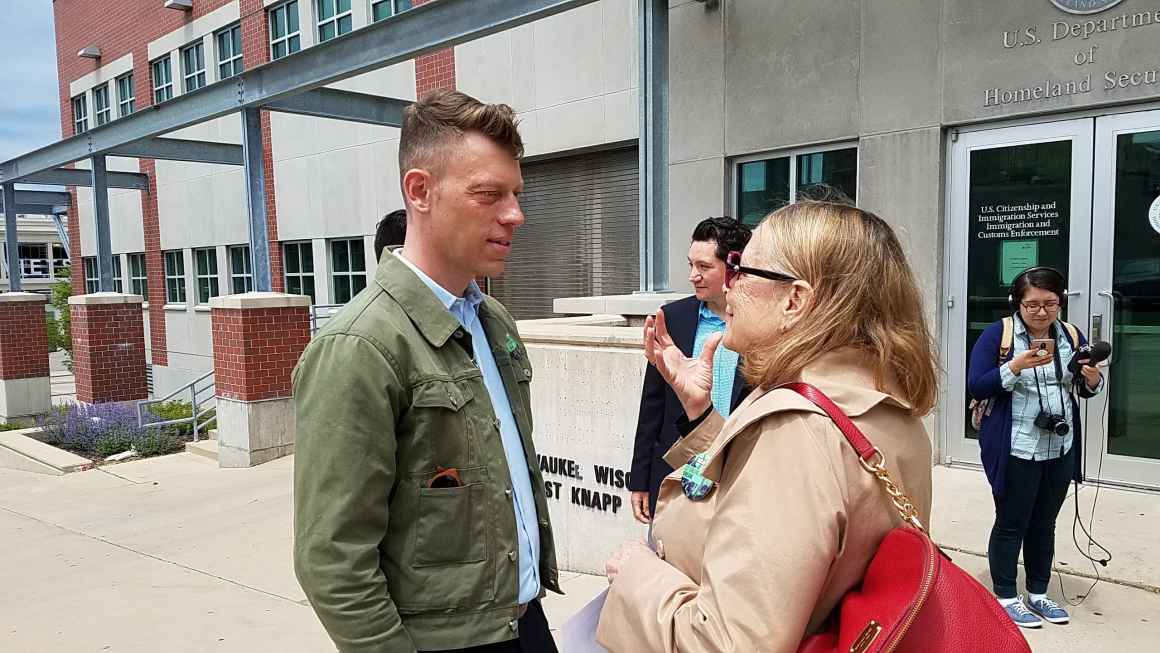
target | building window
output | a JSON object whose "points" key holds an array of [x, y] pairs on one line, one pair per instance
{"points": [[162, 80], [387, 8], [138, 279], [80, 114], [126, 96], [229, 51], [334, 18], [298, 259], [92, 279], [285, 37], [241, 274], [348, 262], [206, 269], [118, 280], [34, 262], [175, 277], [192, 67], [766, 185], [59, 257], [102, 109]]}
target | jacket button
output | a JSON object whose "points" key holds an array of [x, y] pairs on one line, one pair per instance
{"points": [[528, 373], [495, 423], [512, 556], [512, 625], [458, 333], [660, 549], [508, 492]]}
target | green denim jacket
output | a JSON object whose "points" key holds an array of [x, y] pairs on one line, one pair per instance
{"points": [[384, 395]]}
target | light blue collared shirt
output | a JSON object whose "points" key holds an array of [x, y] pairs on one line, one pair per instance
{"points": [[724, 361], [466, 310], [1029, 442]]}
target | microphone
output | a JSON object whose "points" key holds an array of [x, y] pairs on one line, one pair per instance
{"points": [[1089, 355]]}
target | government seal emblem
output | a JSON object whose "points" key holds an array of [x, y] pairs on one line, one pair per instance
{"points": [[1085, 6]]}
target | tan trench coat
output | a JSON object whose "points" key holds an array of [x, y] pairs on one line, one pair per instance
{"points": [[792, 525]]}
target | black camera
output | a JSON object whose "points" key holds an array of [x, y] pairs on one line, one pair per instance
{"points": [[1054, 423]]}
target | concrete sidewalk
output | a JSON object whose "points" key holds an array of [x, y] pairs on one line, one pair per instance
{"points": [[174, 554]]}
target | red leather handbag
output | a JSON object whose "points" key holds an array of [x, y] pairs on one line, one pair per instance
{"points": [[913, 599]]}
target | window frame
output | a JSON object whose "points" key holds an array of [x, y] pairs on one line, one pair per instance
{"points": [[234, 62], [122, 83], [80, 109], [347, 277], [302, 276], [118, 280], [792, 155], [92, 275], [198, 76], [102, 91], [174, 279], [164, 91], [335, 20], [393, 4], [208, 276], [290, 37], [246, 275], [138, 284]]}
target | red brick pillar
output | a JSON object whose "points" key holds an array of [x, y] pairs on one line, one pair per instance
{"points": [[108, 333], [24, 380], [257, 339]]}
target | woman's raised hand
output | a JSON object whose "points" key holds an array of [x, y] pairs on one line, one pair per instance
{"points": [[690, 378]]}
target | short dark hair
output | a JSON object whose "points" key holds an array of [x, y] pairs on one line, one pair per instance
{"points": [[1044, 278], [441, 118], [390, 232], [729, 234]]}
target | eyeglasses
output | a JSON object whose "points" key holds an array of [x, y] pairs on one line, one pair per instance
{"points": [[1035, 307], [734, 269]]}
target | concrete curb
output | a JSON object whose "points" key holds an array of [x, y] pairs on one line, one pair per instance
{"points": [[20, 451]]}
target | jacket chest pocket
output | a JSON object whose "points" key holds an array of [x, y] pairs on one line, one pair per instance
{"points": [[440, 421], [451, 522]]}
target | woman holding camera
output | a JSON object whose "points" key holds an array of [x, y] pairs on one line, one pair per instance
{"points": [[1030, 436]]}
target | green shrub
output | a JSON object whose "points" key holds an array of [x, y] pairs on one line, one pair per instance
{"points": [[113, 442], [158, 443], [175, 409], [11, 426], [60, 330]]}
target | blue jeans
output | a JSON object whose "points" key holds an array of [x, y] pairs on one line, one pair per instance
{"points": [[1025, 518]]}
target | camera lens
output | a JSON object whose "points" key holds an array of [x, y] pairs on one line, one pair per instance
{"points": [[1061, 428]]}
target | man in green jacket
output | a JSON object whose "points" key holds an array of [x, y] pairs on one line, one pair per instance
{"points": [[420, 518]]}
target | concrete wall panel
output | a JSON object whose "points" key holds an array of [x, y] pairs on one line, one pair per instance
{"points": [[898, 80], [696, 191]]}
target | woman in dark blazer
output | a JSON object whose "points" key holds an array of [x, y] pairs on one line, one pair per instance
{"points": [[1031, 438]]}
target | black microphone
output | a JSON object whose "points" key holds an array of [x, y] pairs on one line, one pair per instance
{"points": [[1089, 355]]}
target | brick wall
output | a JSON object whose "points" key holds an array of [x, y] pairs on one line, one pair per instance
{"points": [[154, 267], [109, 352], [23, 340], [254, 350], [436, 70]]}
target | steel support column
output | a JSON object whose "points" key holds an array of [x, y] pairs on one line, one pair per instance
{"points": [[255, 170], [11, 239], [101, 217], [654, 157]]}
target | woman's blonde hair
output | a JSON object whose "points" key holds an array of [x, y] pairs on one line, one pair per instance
{"points": [[864, 297]]}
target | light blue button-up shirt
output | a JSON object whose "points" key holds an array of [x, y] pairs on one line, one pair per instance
{"points": [[1029, 442], [724, 361], [466, 310]]}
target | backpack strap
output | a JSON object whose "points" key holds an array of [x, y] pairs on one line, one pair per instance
{"points": [[1072, 333], [1007, 339]]}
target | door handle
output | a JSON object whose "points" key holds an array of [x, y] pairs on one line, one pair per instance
{"points": [[1073, 293]]}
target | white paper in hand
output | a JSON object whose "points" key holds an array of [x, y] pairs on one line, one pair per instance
{"points": [[578, 635]]}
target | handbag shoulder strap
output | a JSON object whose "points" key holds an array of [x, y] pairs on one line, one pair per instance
{"points": [[870, 456], [1007, 339]]}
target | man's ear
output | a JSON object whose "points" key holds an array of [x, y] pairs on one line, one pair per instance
{"points": [[418, 187]]}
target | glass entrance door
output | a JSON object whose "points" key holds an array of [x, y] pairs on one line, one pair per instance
{"points": [[1018, 197], [1124, 424]]}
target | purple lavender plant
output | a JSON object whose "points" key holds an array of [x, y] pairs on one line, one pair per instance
{"points": [[81, 426]]}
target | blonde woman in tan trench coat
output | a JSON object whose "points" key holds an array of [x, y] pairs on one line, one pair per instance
{"points": [[789, 519]]}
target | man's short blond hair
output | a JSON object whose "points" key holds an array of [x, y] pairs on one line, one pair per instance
{"points": [[433, 127]]}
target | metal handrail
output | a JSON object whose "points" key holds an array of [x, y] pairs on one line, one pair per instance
{"points": [[196, 403], [317, 315]]}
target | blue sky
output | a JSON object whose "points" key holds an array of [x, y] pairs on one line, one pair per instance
{"points": [[29, 109]]}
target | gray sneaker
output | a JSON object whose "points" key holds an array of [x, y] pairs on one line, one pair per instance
{"points": [[1022, 617], [1049, 610]]}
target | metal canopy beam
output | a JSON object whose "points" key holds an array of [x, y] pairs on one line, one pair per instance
{"points": [[344, 105], [100, 177], [424, 29], [40, 197], [11, 239], [78, 177], [178, 149], [653, 153]]}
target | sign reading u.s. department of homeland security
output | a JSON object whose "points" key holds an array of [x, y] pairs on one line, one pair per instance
{"points": [[1085, 6]]}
